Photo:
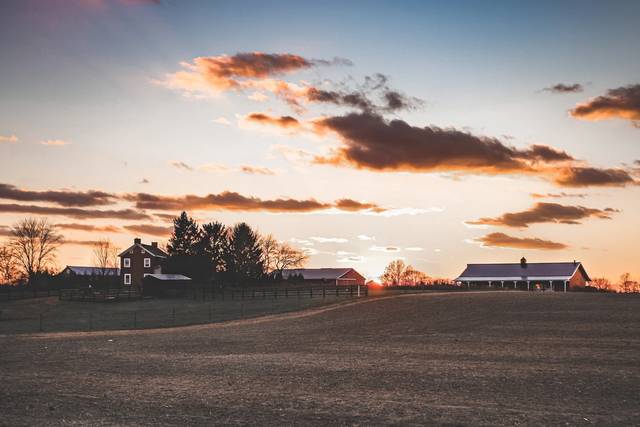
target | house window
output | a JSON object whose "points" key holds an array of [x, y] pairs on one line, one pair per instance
{"points": [[126, 262], [147, 262], [127, 279]]}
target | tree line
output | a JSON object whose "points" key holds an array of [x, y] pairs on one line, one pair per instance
{"points": [[238, 254]]}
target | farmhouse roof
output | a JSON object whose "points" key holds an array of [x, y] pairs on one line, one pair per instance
{"points": [[519, 271], [152, 250], [91, 271], [167, 277], [317, 273]]}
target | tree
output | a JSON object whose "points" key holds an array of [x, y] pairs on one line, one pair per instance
{"points": [[393, 272], [278, 256], [244, 256], [35, 243], [602, 283], [105, 255], [213, 243], [625, 284], [185, 237], [8, 265]]}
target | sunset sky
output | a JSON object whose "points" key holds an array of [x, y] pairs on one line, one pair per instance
{"points": [[442, 133]]}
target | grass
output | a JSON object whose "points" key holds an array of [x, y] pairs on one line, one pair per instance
{"points": [[493, 358], [49, 314]]}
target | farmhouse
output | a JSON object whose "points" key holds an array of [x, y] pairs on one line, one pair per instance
{"points": [[333, 276], [140, 260], [557, 276]]}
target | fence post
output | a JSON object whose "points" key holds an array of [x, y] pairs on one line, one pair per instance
{"points": [[311, 293], [210, 312], [275, 294], [173, 316], [337, 290], [242, 310], [298, 293], [41, 329], [90, 321], [324, 292], [135, 320], [233, 293]]}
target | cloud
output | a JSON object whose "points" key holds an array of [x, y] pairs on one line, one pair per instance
{"points": [[81, 242], [620, 103], [256, 170], [77, 213], [90, 228], [252, 70], [355, 206], [588, 176], [222, 121], [559, 195], [387, 249], [60, 197], [371, 142], [258, 97], [283, 122], [54, 142], [546, 213], [10, 139], [329, 239], [356, 258], [365, 237], [414, 249], [149, 229], [144, 181], [181, 165], [232, 201], [505, 241], [303, 242], [564, 88]]}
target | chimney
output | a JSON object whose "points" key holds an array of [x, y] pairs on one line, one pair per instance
{"points": [[137, 241], [523, 262], [154, 244]]}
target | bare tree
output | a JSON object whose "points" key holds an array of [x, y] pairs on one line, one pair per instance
{"points": [[35, 243], [625, 284], [393, 272], [105, 255], [602, 284], [8, 265], [287, 256], [278, 256]]}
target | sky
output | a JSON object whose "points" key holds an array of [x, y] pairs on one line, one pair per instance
{"points": [[440, 133]]}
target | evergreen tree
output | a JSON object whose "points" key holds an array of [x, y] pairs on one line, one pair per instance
{"points": [[213, 245], [244, 255], [185, 236]]}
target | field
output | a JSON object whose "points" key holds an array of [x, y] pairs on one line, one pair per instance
{"points": [[476, 358]]}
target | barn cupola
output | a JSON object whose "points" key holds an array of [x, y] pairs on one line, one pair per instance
{"points": [[523, 262]]}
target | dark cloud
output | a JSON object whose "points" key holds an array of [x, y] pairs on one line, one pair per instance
{"points": [[593, 177], [181, 165], [505, 241], [61, 197], [256, 170], [621, 103], [124, 214], [232, 201], [559, 195], [355, 206], [545, 153], [546, 212], [81, 242], [372, 142], [564, 88], [90, 228], [150, 230], [286, 122]]}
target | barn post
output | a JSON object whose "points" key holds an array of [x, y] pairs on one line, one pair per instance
{"points": [[515, 284], [528, 285], [502, 281], [551, 285], [565, 286], [489, 283]]}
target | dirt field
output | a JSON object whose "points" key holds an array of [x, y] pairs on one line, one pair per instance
{"points": [[465, 358]]}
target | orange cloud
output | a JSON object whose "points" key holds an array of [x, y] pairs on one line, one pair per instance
{"points": [[89, 228], [621, 103], [546, 213], [124, 214], [284, 122], [10, 139], [60, 197], [149, 229], [54, 142], [505, 241]]}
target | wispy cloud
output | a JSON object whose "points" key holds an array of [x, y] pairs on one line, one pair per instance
{"points": [[55, 142], [619, 103], [387, 249], [502, 240], [8, 139], [78, 213], [546, 213], [329, 239], [150, 229], [364, 237], [90, 228], [564, 88], [222, 121]]}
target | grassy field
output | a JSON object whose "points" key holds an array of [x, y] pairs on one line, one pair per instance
{"points": [[49, 314], [501, 358]]}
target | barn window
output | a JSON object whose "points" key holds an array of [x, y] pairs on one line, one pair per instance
{"points": [[127, 279], [126, 262], [147, 262]]}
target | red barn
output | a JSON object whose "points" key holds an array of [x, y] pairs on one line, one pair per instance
{"points": [[333, 276]]}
